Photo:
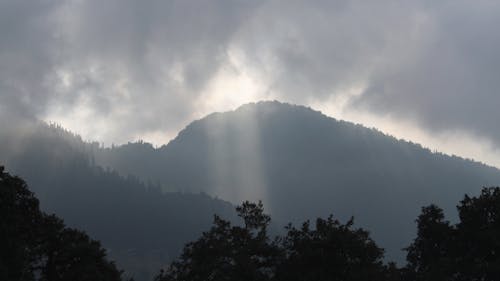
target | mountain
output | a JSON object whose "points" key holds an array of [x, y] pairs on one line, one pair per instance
{"points": [[142, 227], [299, 162], [303, 164]]}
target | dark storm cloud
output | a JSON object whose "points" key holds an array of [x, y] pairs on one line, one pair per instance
{"points": [[142, 62], [453, 82], [141, 66], [26, 41], [149, 58], [435, 63]]}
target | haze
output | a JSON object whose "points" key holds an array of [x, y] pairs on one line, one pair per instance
{"points": [[249, 140], [119, 71]]}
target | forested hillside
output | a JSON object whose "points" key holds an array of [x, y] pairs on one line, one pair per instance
{"points": [[303, 164], [299, 162], [35, 245], [141, 226]]}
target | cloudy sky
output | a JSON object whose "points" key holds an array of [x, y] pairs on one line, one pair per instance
{"points": [[122, 70]]}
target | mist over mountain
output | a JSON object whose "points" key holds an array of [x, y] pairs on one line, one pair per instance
{"points": [[142, 227], [303, 164], [299, 162]]}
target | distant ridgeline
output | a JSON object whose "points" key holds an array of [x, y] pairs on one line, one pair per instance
{"points": [[303, 164], [299, 162], [142, 227], [35, 246]]}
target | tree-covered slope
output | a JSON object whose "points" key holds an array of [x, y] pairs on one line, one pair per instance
{"points": [[38, 246], [142, 227], [303, 164]]}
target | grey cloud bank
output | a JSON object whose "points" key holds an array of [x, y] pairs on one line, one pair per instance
{"points": [[118, 70]]}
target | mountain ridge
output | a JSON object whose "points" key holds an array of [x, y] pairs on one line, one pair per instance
{"points": [[304, 164], [142, 227], [300, 162], [264, 102]]}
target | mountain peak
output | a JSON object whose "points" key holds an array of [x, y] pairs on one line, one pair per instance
{"points": [[303, 164]]}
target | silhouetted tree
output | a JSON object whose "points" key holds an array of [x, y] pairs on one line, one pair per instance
{"points": [[229, 252], [478, 242], [70, 254], [20, 222], [393, 273], [311, 165], [59, 169], [36, 246], [429, 256], [469, 250], [331, 251]]}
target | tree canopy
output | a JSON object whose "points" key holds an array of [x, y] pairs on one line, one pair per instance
{"points": [[468, 250], [330, 251], [227, 252], [37, 246]]}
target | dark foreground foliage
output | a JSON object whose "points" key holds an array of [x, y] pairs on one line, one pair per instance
{"points": [[37, 246], [330, 251], [468, 250]]}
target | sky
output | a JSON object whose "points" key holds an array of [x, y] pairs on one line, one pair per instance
{"points": [[120, 70]]}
